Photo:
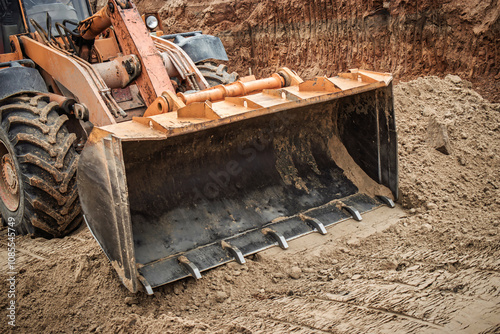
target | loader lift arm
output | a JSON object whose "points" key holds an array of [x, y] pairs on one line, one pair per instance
{"points": [[133, 39]]}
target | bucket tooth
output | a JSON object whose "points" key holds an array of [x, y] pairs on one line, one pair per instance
{"points": [[315, 223], [354, 212], [235, 252], [190, 266], [276, 236], [147, 286], [387, 201]]}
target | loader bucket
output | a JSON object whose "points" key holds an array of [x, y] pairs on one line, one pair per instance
{"points": [[172, 195]]}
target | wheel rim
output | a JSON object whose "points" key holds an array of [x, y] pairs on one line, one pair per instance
{"points": [[9, 180]]}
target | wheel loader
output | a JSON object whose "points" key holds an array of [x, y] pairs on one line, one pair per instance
{"points": [[175, 165]]}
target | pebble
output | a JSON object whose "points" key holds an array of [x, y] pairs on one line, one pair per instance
{"points": [[426, 226], [131, 300], [344, 250], [220, 296], [453, 78], [389, 265], [354, 242], [278, 275], [178, 289], [431, 206], [295, 272]]}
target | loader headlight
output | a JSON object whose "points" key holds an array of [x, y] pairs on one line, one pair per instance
{"points": [[151, 22]]}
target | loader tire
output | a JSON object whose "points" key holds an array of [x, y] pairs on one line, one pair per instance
{"points": [[216, 74], [37, 168]]}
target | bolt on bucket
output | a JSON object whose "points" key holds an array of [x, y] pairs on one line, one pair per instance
{"points": [[172, 195]]}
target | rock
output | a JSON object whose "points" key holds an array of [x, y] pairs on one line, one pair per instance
{"points": [[178, 288], [413, 268], [220, 296], [427, 227], [357, 276], [389, 265], [295, 272], [354, 242], [437, 136], [233, 265], [453, 78], [278, 275], [131, 300], [429, 111], [431, 206]]}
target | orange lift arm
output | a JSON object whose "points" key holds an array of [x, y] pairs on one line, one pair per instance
{"points": [[134, 39]]}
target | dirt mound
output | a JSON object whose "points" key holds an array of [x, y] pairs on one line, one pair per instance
{"points": [[470, 172]]}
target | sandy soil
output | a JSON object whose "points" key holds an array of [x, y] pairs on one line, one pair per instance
{"points": [[431, 265]]}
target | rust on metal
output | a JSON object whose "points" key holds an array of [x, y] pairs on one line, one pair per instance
{"points": [[135, 39], [119, 72], [238, 88], [122, 94]]}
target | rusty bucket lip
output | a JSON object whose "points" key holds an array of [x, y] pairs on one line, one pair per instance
{"points": [[9, 198]]}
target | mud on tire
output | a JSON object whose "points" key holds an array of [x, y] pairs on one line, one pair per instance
{"points": [[216, 74], [36, 147]]}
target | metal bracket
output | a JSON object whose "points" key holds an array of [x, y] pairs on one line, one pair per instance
{"points": [[190, 266], [276, 236], [237, 254], [354, 212], [315, 223], [387, 201]]}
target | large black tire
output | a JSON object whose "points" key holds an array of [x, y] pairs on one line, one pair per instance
{"points": [[38, 158], [216, 74]]}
